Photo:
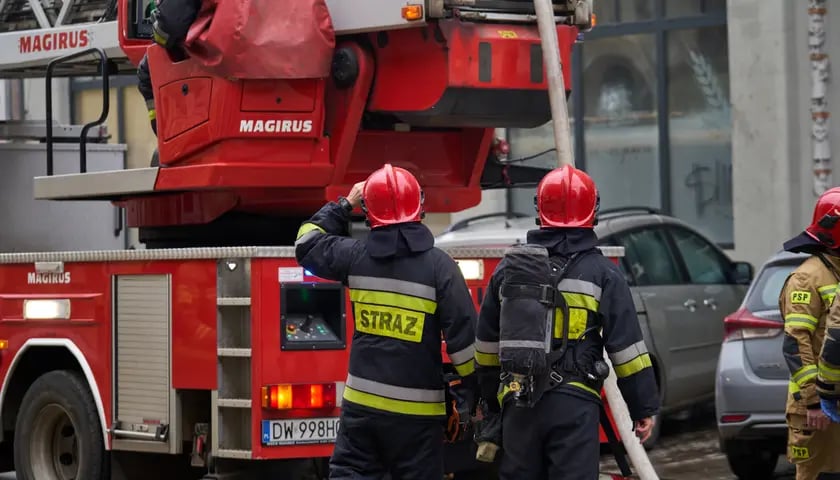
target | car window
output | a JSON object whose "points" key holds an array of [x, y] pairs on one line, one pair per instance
{"points": [[768, 286], [702, 260], [648, 257]]}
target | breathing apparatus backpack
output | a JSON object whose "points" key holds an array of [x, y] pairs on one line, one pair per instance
{"points": [[529, 297]]}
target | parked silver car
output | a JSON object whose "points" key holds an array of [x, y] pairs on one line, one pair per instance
{"points": [[682, 283], [752, 377]]}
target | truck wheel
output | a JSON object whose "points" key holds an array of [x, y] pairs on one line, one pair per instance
{"points": [[58, 435]]}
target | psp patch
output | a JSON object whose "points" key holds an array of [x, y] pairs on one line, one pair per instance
{"points": [[800, 297]]}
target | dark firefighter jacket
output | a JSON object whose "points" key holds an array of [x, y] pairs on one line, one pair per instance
{"points": [[806, 303], [597, 296], [404, 293]]}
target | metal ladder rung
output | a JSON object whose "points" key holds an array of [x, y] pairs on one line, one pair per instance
{"points": [[235, 403], [234, 352], [233, 301], [228, 453]]}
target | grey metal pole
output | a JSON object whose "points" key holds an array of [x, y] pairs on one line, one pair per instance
{"points": [[554, 77]]}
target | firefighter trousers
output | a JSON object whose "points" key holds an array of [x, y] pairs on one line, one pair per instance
{"points": [[813, 451], [556, 439], [370, 446]]}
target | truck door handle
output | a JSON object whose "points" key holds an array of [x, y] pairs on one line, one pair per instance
{"points": [[710, 302], [690, 304]]}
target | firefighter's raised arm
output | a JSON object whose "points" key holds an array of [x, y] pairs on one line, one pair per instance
{"points": [[323, 246], [625, 346]]}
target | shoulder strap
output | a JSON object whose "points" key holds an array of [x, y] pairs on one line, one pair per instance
{"points": [[560, 302]]}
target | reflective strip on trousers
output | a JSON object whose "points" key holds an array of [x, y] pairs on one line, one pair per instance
{"points": [[391, 398]]}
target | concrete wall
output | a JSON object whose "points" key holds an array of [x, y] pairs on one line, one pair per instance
{"points": [[771, 137]]}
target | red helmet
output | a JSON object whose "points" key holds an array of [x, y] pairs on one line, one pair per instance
{"points": [[392, 195], [567, 197], [825, 226]]}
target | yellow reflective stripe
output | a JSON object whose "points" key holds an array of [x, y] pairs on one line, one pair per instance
{"points": [[465, 369], [487, 359], [827, 293], [393, 299], [394, 406], [585, 387], [793, 388], [578, 319], [308, 227], [152, 114], [829, 373], [633, 366], [804, 374], [159, 38], [501, 395], [581, 300], [802, 320]]}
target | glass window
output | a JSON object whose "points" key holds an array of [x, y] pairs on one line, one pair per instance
{"points": [[647, 255], [605, 11], [704, 262], [685, 8], [765, 294], [620, 127], [700, 130], [634, 10]]}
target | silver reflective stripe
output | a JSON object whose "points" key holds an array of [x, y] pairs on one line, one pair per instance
{"points": [[522, 344], [629, 353], [307, 236], [580, 286], [486, 347], [150, 104], [392, 285], [397, 393], [463, 356]]}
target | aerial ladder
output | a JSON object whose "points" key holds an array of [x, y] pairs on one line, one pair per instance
{"points": [[421, 84]]}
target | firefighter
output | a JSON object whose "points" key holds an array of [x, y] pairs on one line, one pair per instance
{"points": [[404, 294], [806, 296], [171, 20], [556, 436]]}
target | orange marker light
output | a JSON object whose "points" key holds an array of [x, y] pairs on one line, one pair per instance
{"points": [[4, 344], [412, 12], [305, 395], [594, 21]]}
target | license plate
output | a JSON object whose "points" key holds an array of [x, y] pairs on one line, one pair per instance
{"points": [[299, 431]]}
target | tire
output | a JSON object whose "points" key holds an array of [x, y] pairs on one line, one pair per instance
{"points": [[58, 435], [751, 461]]}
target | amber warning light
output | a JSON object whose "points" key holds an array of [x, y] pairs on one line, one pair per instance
{"points": [[306, 395], [412, 12]]}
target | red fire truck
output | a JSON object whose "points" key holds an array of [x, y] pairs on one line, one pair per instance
{"points": [[210, 353]]}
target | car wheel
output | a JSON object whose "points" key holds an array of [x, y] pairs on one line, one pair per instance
{"points": [[58, 434], [751, 461]]}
